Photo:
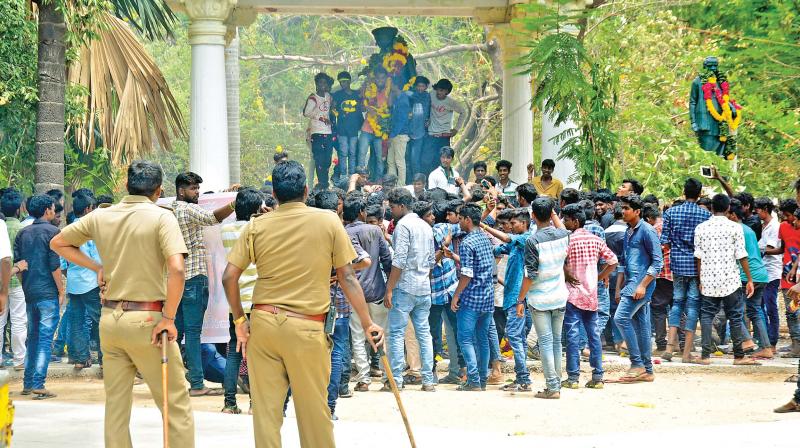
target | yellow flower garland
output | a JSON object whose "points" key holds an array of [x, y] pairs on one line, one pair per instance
{"points": [[370, 94]]}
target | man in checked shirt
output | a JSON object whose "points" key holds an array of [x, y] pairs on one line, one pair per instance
{"points": [[189, 319]]}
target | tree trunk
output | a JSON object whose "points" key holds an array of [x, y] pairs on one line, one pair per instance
{"points": [[232, 96], [50, 110]]}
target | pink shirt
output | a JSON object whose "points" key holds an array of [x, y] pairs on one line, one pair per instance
{"points": [[585, 250]]}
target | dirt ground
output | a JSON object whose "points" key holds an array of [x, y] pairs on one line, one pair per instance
{"points": [[672, 401]]}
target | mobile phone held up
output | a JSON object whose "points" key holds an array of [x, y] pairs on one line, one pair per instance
{"points": [[705, 171]]}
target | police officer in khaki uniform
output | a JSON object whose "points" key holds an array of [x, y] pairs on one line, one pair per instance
{"points": [[141, 280], [294, 249]]}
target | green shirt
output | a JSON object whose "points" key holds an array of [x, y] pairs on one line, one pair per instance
{"points": [[14, 226], [757, 268]]}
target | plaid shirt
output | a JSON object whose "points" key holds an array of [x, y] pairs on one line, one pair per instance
{"points": [[584, 252], [477, 262], [665, 273], [678, 231], [192, 218], [337, 295], [444, 278]]}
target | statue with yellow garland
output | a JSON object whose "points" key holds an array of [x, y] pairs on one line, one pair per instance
{"points": [[714, 115]]}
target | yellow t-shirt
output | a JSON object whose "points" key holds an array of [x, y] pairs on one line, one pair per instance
{"points": [[553, 190]]}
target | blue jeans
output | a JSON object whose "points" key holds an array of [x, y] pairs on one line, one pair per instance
{"points": [[42, 322], [603, 308], [792, 321], [734, 311], [214, 364], [432, 152], [494, 341], [453, 347], [341, 339], [616, 336], [516, 334], [62, 335], [189, 322], [435, 322], [755, 313], [348, 155], [685, 299], [415, 148], [473, 338], [368, 141], [633, 319], [233, 362], [417, 308], [548, 326], [575, 318], [770, 307], [84, 312]]}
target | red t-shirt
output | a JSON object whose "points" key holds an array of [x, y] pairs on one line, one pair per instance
{"points": [[791, 247]]}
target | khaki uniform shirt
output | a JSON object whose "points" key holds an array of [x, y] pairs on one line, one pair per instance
{"points": [[294, 249], [134, 239]]}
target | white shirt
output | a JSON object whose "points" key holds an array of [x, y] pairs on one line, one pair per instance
{"points": [[438, 179], [441, 121], [769, 237], [5, 242], [318, 107], [719, 244]]}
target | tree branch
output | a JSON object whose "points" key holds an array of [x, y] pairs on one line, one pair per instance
{"points": [[316, 60]]}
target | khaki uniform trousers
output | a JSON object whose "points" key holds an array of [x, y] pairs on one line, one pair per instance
{"points": [[396, 158], [286, 350], [125, 341]]}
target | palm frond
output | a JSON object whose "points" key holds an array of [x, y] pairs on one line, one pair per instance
{"points": [[128, 95], [153, 18]]}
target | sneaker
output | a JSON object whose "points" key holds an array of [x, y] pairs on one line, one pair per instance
{"points": [[570, 384], [510, 387], [428, 388], [523, 388], [334, 417], [548, 394], [375, 372], [449, 379], [388, 388], [595, 384], [345, 393], [361, 387], [412, 379], [469, 388]]}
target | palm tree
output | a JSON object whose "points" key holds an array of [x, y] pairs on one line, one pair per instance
{"points": [[119, 77]]}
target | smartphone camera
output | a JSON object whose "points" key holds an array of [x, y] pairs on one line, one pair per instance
{"points": [[705, 171]]}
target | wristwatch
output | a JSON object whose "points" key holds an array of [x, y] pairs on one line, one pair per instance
{"points": [[240, 320]]}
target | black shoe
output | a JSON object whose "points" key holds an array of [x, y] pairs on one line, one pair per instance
{"points": [[345, 393], [470, 388]]}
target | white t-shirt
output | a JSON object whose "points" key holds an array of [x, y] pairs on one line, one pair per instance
{"points": [[439, 179], [769, 237], [441, 121], [5, 242], [318, 107]]}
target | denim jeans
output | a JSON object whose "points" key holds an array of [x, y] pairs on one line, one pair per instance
{"points": [[432, 152], [791, 318], [755, 312], [633, 319], [515, 332], [341, 342], [189, 322], [42, 322], [82, 306], [367, 141], [575, 318], [417, 308], [603, 308], [214, 364], [685, 299], [347, 152], [548, 325], [612, 330], [734, 309], [415, 148], [453, 347], [435, 322], [321, 150], [494, 341], [770, 307], [659, 310], [233, 361], [60, 343], [473, 338]]}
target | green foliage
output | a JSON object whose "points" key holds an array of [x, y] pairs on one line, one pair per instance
{"points": [[153, 18]]}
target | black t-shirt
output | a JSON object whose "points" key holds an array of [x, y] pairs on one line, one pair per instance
{"points": [[349, 112]]}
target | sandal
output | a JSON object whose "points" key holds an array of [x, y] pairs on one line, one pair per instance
{"points": [[746, 361], [83, 365], [595, 384], [667, 355], [205, 392], [698, 361], [42, 394], [231, 410], [510, 387]]}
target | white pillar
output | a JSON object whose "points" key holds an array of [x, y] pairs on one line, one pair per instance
{"points": [[565, 168], [208, 134], [517, 145]]}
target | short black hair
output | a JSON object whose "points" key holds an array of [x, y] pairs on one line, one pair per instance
{"points": [[375, 211], [704, 202], [439, 209], [104, 199], [528, 192], [603, 197], [322, 76], [549, 163], [419, 177], [437, 194], [618, 211], [650, 199], [476, 193], [288, 181], [144, 178], [542, 208], [501, 164], [650, 211], [720, 203], [444, 84], [56, 194], [422, 80], [692, 188], [637, 187], [11, 203], [421, 208], [326, 200], [279, 157], [344, 75], [788, 206], [187, 179], [505, 215], [492, 181], [479, 164], [634, 201], [745, 198], [737, 208], [575, 211], [570, 196], [352, 207], [248, 203], [762, 203], [400, 196], [472, 212], [588, 209], [521, 214], [83, 191], [447, 152], [454, 205], [39, 204], [81, 203]]}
